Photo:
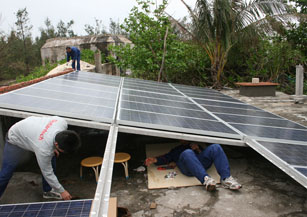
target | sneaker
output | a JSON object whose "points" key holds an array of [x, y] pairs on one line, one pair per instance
{"points": [[209, 183], [231, 183], [52, 195]]}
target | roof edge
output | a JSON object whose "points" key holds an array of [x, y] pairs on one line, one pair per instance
{"points": [[12, 87]]}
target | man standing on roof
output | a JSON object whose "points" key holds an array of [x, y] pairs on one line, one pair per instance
{"points": [[193, 160], [47, 137], [73, 53]]}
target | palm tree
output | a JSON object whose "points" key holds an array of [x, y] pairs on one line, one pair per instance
{"points": [[217, 24]]}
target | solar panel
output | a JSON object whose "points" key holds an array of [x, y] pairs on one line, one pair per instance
{"points": [[290, 157], [151, 89], [264, 121], [48, 209], [225, 104], [91, 80], [103, 93], [68, 98], [86, 85], [270, 132], [155, 95], [160, 106], [161, 102], [175, 123], [158, 109], [290, 153], [246, 112]]}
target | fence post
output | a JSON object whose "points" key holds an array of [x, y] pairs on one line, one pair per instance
{"points": [[299, 87], [98, 61]]}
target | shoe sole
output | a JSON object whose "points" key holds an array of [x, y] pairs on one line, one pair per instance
{"points": [[211, 188], [228, 187]]}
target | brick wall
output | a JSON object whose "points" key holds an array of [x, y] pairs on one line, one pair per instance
{"points": [[6, 89]]}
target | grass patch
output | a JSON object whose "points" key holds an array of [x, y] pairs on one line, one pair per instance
{"points": [[36, 73]]}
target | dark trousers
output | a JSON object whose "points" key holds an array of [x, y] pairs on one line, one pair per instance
{"points": [[191, 164], [78, 63], [11, 156]]}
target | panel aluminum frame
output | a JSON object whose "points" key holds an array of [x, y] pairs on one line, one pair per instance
{"points": [[287, 168], [101, 199]]}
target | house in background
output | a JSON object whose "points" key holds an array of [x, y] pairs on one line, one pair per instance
{"points": [[54, 49]]}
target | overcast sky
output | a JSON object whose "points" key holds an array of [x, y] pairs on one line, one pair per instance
{"points": [[82, 12]]}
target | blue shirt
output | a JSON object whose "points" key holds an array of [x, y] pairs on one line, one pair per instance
{"points": [[173, 155], [73, 54]]}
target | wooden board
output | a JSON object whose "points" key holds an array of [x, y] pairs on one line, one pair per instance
{"points": [[156, 178], [112, 211]]}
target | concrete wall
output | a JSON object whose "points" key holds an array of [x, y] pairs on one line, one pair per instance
{"points": [[54, 49]]}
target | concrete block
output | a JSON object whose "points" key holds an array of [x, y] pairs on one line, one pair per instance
{"points": [[255, 80]]}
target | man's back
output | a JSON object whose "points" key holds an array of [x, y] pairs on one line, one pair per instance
{"points": [[36, 133]]}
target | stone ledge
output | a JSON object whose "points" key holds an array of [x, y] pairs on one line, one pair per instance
{"points": [[249, 84]]}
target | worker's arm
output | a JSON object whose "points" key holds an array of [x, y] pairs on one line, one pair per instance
{"points": [[44, 163], [68, 56], [171, 156]]}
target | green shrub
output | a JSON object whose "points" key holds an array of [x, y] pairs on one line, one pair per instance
{"points": [[36, 73], [87, 55]]}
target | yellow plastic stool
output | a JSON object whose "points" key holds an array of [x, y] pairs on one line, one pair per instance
{"points": [[123, 158], [93, 162]]}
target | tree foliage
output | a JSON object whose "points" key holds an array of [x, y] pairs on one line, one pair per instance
{"points": [[24, 33], [65, 30], [147, 28], [98, 29], [218, 23]]}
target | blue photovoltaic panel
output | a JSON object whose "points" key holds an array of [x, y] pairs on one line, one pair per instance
{"points": [[86, 100], [290, 153], [161, 102], [56, 107], [68, 97], [159, 106], [260, 121], [101, 81], [85, 85], [99, 93], [270, 132], [166, 110], [194, 89], [79, 208], [302, 170], [213, 97], [93, 76], [145, 82], [245, 112], [155, 95], [175, 123], [225, 104], [151, 89]]}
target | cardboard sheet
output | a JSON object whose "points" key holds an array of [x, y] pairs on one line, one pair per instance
{"points": [[156, 178]]}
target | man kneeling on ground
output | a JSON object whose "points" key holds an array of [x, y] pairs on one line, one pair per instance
{"points": [[193, 160], [47, 137]]}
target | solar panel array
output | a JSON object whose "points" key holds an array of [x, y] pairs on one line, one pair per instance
{"points": [[80, 208], [79, 95], [160, 106], [278, 136]]}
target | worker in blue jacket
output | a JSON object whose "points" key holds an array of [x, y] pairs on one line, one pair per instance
{"points": [[193, 160], [73, 53]]}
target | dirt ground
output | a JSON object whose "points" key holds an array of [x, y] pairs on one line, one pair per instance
{"points": [[267, 191]]}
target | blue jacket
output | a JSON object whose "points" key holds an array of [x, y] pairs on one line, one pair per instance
{"points": [[173, 155], [73, 54]]}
